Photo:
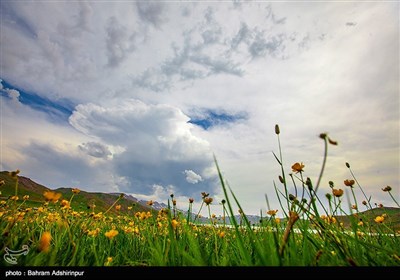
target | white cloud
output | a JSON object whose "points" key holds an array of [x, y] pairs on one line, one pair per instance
{"points": [[138, 71], [192, 177]]}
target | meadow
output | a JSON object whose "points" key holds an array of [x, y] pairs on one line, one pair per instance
{"points": [[57, 233]]}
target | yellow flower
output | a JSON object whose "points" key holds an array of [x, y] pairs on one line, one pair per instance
{"points": [[118, 207], [76, 190], [14, 197], [111, 234], [25, 197], [298, 167], [109, 260], [51, 196], [174, 223], [65, 204], [379, 219], [129, 207], [2, 182], [221, 234], [44, 243]]}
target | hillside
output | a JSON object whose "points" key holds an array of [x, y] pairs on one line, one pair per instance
{"points": [[81, 202]]}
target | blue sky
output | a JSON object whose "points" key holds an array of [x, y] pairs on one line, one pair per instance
{"points": [[138, 97]]}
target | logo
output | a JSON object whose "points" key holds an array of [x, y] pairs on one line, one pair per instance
{"points": [[10, 255]]}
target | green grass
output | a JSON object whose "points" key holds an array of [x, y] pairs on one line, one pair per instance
{"points": [[309, 234]]}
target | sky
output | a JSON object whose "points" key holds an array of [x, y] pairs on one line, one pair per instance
{"points": [[138, 97]]}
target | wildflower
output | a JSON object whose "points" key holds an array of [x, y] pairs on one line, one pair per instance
{"points": [[379, 219], [150, 202], [298, 167], [360, 223], [221, 234], [337, 192], [207, 200], [2, 183], [44, 243], [387, 189], [109, 260], [14, 173], [277, 220], [174, 223], [25, 197], [14, 197], [349, 183], [65, 203], [94, 232], [204, 194], [272, 212], [111, 234], [51, 196], [129, 207], [354, 207], [76, 190], [118, 207]]}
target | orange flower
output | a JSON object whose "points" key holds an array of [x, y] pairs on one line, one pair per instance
{"points": [[272, 212], [349, 183], [65, 203], [118, 207], [337, 192], [51, 196], [298, 167], [76, 190], [44, 243], [207, 200], [111, 234]]}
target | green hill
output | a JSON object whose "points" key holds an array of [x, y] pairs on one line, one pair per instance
{"points": [[81, 202]]}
